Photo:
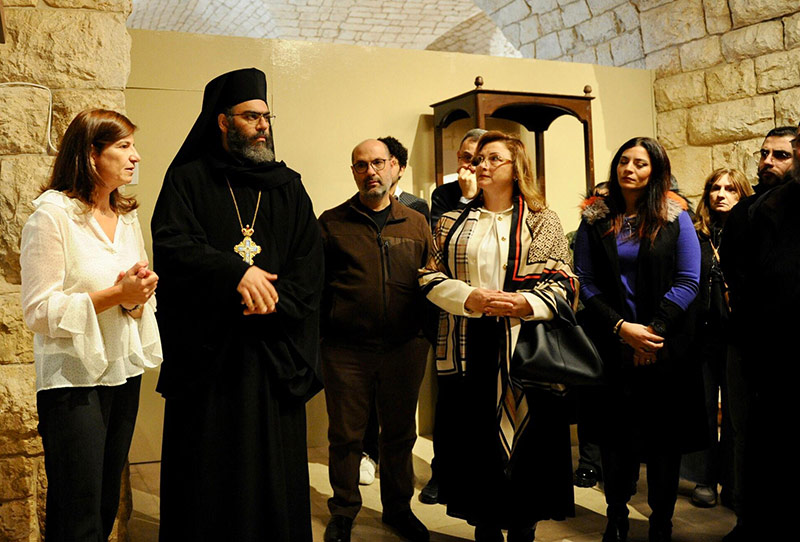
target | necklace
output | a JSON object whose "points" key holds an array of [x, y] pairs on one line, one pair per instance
{"points": [[628, 222], [247, 248]]}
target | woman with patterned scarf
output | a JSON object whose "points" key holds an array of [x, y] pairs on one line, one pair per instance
{"points": [[504, 451]]}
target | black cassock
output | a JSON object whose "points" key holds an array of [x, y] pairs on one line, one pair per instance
{"points": [[234, 461]]}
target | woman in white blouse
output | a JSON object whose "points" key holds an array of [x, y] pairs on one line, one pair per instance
{"points": [[504, 451], [87, 294]]}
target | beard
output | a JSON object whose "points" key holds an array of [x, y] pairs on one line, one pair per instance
{"points": [[376, 193], [793, 175], [247, 148], [769, 178]]}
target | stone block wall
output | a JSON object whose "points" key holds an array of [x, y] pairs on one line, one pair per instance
{"points": [[477, 35], [80, 50], [726, 71]]}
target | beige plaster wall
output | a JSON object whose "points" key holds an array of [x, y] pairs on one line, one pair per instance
{"points": [[329, 97]]}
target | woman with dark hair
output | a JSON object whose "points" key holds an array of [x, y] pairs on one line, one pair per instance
{"points": [[638, 260], [504, 452], [87, 294], [714, 465]]}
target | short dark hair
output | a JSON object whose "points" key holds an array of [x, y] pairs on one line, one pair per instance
{"points": [[396, 149], [91, 131], [473, 135], [782, 131]]}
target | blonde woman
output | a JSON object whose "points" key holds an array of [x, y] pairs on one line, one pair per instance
{"points": [[504, 452], [723, 189]]}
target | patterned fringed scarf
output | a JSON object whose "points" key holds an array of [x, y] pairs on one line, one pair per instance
{"points": [[538, 262]]}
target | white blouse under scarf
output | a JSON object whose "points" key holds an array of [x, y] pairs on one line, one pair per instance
{"points": [[65, 254], [487, 254]]}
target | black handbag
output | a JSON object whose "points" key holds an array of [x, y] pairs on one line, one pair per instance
{"points": [[556, 351]]}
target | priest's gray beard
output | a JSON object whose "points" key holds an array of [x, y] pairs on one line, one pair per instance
{"points": [[249, 149]]}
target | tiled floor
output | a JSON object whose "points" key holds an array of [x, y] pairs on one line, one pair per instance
{"points": [[691, 524]]}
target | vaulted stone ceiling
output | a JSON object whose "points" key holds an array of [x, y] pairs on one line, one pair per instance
{"points": [[448, 25]]}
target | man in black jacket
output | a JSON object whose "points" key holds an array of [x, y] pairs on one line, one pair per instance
{"points": [[400, 153], [455, 195], [755, 246]]}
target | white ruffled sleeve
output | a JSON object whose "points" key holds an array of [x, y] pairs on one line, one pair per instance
{"points": [[145, 341], [47, 309]]}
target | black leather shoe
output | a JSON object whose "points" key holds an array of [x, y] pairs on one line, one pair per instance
{"points": [[408, 526], [525, 534], [736, 535], [485, 533], [659, 535], [616, 530], [430, 493], [338, 529], [585, 477]]}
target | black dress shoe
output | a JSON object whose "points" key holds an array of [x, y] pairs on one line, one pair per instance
{"points": [[485, 533], [408, 526], [525, 534], [430, 493], [736, 535], [338, 529], [616, 530], [585, 477], [659, 535]]}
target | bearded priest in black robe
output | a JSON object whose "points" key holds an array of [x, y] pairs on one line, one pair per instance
{"points": [[237, 248]]}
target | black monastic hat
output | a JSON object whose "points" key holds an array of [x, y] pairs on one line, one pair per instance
{"points": [[221, 92]]}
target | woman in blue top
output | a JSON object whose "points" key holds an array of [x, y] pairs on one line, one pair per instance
{"points": [[638, 260]]}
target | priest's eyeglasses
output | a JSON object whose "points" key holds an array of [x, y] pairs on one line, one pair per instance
{"points": [[378, 164], [253, 117]]}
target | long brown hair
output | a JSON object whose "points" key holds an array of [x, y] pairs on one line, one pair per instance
{"points": [[74, 174], [523, 169], [652, 206], [704, 215]]}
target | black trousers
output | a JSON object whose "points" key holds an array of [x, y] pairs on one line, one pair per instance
{"points": [[86, 433], [352, 378], [620, 468]]}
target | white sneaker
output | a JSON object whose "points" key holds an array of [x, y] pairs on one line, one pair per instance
{"points": [[366, 472]]}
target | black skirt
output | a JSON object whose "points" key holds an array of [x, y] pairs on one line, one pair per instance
{"points": [[473, 482]]}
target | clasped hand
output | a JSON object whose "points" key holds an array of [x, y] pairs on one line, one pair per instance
{"points": [[643, 340], [498, 303], [258, 293], [136, 284]]}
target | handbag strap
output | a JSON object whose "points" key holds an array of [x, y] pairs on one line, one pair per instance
{"points": [[563, 315]]}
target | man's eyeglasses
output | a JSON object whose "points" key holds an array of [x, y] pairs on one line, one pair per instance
{"points": [[252, 117], [378, 164], [780, 156], [492, 161], [464, 157]]}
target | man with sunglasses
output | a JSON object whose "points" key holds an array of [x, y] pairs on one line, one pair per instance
{"points": [[775, 157], [371, 315], [747, 259]]}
